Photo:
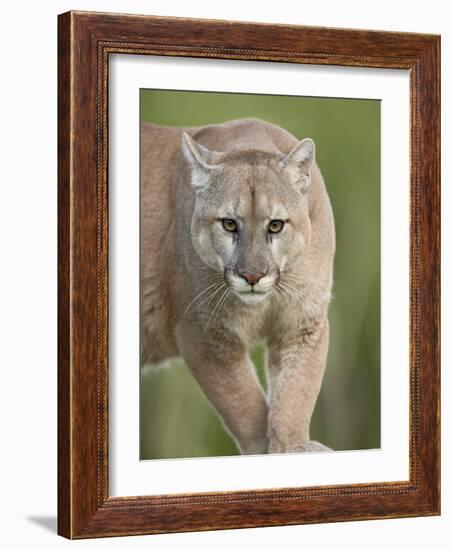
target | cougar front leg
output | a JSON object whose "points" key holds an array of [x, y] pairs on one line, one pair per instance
{"points": [[296, 367], [229, 381]]}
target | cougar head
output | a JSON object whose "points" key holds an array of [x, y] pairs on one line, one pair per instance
{"points": [[250, 220]]}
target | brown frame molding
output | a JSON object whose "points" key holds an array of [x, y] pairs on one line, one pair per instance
{"points": [[85, 41]]}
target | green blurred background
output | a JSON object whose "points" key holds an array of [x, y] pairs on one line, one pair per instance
{"points": [[176, 420]]}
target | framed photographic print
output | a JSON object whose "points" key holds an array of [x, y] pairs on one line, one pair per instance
{"points": [[248, 275]]}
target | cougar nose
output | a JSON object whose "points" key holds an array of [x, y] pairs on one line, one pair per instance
{"points": [[252, 278]]}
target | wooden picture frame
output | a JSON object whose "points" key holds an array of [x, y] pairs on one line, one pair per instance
{"points": [[85, 41]]}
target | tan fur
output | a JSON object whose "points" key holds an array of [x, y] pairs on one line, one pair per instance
{"points": [[195, 303]]}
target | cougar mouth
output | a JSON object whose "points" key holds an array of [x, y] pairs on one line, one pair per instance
{"points": [[251, 296]]}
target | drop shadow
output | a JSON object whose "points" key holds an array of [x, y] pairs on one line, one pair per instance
{"points": [[49, 523]]}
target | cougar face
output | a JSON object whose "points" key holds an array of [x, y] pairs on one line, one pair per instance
{"points": [[250, 219]]}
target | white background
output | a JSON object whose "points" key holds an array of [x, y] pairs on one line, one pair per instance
{"points": [[28, 271]]}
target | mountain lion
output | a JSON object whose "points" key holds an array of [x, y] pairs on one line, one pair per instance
{"points": [[237, 244]]}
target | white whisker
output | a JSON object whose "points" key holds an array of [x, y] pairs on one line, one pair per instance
{"points": [[216, 306], [292, 291], [211, 295], [212, 276], [198, 296], [292, 279], [282, 294], [275, 295], [223, 302]]}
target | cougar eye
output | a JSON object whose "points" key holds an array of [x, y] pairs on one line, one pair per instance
{"points": [[275, 226], [229, 225]]}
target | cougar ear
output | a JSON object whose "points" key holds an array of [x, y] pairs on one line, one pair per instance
{"points": [[201, 160], [299, 162]]}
